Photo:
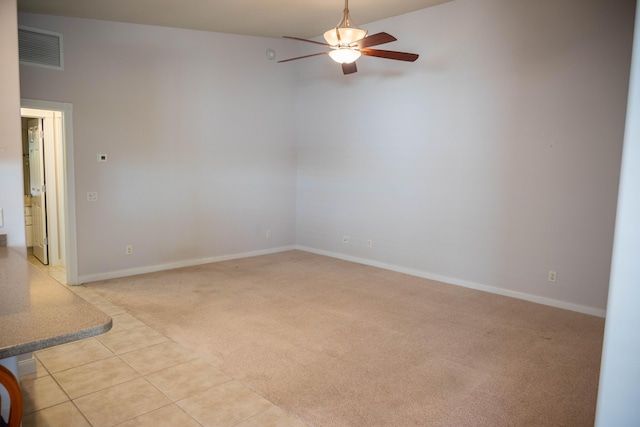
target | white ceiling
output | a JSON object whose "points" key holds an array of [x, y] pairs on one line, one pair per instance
{"points": [[270, 18]]}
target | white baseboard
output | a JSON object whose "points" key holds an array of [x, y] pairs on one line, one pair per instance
{"points": [[26, 367], [452, 280], [169, 266], [413, 272]]}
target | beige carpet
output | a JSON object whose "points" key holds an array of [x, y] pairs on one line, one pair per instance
{"points": [[342, 344]]}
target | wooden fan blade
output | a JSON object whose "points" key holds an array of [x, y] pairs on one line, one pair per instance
{"points": [[308, 41], [389, 54], [302, 57], [375, 40], [349, 68]]}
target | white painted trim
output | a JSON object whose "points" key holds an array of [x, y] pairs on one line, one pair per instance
{"points": [[187, 263], [27, 366], [453, 281], [61, 195], [69, 205]]}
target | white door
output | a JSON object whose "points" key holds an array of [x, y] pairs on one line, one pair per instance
{"points": [[38, 189]]}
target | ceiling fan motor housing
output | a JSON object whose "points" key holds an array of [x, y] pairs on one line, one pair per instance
{"points": [[348, 42]]}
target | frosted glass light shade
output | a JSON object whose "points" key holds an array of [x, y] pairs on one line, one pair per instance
{"points": [[344, 56], [347, 35]]}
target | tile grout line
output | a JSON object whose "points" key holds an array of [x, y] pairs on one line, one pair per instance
{"points": [[62, 389], [70, 344], [92, 392]]}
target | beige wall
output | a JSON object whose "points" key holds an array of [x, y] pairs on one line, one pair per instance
{"points": [[11, 200], [198, 130]]}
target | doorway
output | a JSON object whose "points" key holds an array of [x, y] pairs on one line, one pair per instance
{"points": [[48, 188]]}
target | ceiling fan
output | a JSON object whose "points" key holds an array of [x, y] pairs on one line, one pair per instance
{"points": [[348, 42]]}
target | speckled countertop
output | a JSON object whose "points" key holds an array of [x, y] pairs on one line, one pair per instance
{"points": [[37, 312]]}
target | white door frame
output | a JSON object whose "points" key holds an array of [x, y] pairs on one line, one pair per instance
{"points": [[68, 207]]}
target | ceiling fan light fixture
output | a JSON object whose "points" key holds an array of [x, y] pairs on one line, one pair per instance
{"points": [[344, 36], [344, 55], [346, 32]]}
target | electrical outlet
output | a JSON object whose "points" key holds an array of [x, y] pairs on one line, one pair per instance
{"points": [[129, 250], [268, 234], [102, 158], [552, 276], [369, 243], [92, 196], [345, 239]]}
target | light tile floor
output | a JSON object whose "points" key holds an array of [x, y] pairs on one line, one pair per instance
{"points": [[58, 273], [133, 376]]}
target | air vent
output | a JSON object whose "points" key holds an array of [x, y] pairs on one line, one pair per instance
{"points": [[40, 47]]}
